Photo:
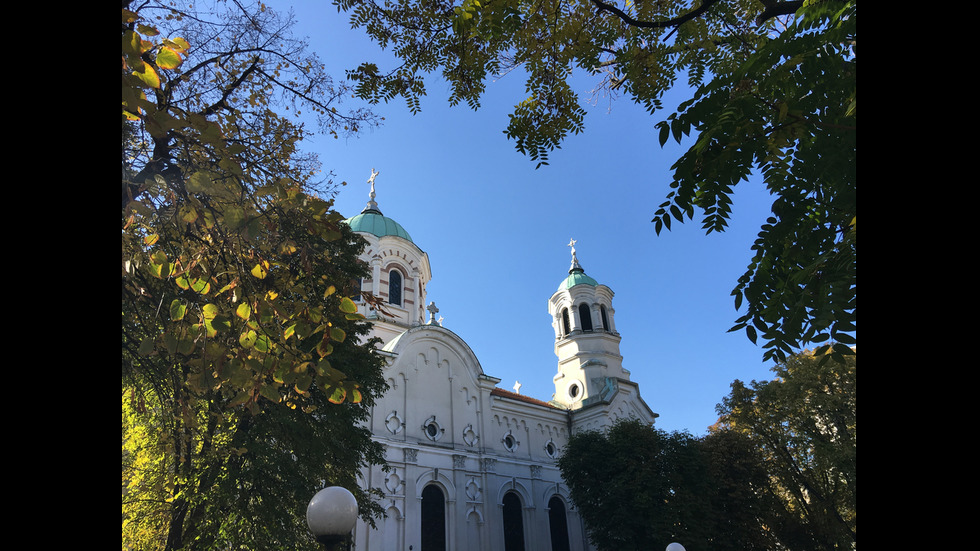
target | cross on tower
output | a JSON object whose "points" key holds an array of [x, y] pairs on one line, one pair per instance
{"points": [[575, 264], [432, 312], [374, 174], [371, 203]]}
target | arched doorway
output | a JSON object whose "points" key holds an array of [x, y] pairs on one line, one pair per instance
{"points": [[513, 523], [433, 519], [559, 524]]}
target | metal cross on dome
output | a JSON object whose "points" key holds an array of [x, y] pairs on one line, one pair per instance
{"points": [[575, 264], [374, 174], [371, 202]]}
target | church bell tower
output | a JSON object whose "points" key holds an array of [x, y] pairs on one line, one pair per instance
{"points": [[586, 341]]}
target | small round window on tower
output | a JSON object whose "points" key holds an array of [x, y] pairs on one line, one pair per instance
{"points": [[574, 390]]}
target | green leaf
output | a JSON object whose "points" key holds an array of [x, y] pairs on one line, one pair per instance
{"points": [[177, 310], [147, 346], [347, 306], [243, 311], [200, 285], [167, 58], [199, 182], [148, 75], [235, 217], [247, 339], [210, 311], [263, 343], [336, 394], [270, 392]]}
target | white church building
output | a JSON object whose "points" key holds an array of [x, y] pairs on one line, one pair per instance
{"points": [[474, 466]]}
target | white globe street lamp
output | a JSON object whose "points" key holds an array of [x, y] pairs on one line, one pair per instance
{"points": [[331, 515], [675, 547]]}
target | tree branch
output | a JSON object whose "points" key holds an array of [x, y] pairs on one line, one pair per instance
{"points": [[775, 8], [677, 21]]}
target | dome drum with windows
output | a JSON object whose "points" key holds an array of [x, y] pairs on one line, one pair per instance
{"points": [[399, 269]]}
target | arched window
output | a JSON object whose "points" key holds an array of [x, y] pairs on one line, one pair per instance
{"points": [[394, 288], [565, 324], [586, 316], [513, 523], [433, 519], [605, 320], [559, 524]]}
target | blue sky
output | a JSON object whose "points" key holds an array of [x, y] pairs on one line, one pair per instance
{"points": [[496, 231]]}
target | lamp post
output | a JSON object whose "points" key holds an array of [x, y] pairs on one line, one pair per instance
{"points": [[331, 515]]}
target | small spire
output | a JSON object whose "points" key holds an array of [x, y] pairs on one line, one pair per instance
{"points": [[372, 205], [575, 264], [517, 387]]}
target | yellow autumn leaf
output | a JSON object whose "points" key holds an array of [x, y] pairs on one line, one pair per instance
{"points": [[168, 58], [261, 270]]}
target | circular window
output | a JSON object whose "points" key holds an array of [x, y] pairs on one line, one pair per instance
{"points": [[574, 391], [551, 449], [510, 442], [469, 435], [431, 429], [393, 423]]}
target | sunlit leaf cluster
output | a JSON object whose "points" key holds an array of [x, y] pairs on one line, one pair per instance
{"points": [[804, 421]]}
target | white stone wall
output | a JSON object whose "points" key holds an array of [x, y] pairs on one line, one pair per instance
{"points": [[436, 380]]}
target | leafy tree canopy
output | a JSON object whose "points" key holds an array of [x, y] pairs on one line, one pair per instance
{"points": [[804, 422], [244, 371], [778, 471], [774, 93], [641, 488]]}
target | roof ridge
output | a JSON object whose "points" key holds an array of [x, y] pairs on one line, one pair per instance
{"points": [[497, 391]]}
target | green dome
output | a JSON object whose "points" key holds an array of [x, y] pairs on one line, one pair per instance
{"points": [[577, 277], [372, 221]]}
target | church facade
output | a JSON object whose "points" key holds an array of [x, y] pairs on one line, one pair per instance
{"points": [[474, 466]]}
